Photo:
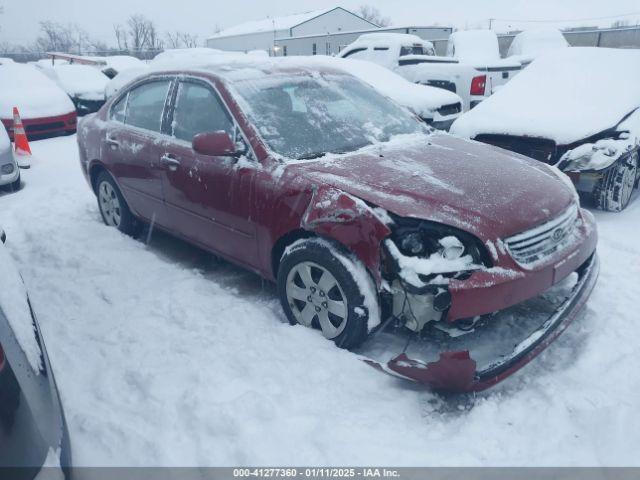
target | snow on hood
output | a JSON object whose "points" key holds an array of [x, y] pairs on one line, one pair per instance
{"points": [[120, 63], [483, 190], [30, 90], [534, 42], [14, 305], [565, 96], [81, 81]]}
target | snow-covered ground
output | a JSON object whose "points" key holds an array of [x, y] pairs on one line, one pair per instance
{"points": [[164, 356]]}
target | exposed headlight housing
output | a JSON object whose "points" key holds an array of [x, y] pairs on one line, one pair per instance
{"points": [[7, 169], [424, 239]]}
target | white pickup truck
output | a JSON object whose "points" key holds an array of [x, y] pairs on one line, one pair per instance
{"points": [[415, 59]]}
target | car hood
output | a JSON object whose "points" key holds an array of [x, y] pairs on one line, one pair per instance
{"points": [[486, 191], [566, 96]]}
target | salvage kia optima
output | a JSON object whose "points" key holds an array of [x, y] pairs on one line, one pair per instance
{"points": [[365, 218]]}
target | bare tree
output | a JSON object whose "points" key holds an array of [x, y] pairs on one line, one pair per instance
{"points": [[61, 38], [373, 15], [121, 37], [137, 31]]}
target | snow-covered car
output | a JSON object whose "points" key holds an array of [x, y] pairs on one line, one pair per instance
{"points": [[362, 214], [436, 106], [9, 171], [116, 64], [529, 44], [414, 59], [576, 108], [84, 84], [480, 48], [45, 109], [33, 431]]}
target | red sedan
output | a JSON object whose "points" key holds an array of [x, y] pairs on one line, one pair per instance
{"points": [[45, 109], [362, 215]]}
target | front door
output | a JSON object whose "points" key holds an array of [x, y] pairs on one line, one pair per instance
{"points": [[208, 198], [132, 148]]}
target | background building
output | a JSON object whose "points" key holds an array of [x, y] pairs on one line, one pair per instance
{"points": [[262, 34]]}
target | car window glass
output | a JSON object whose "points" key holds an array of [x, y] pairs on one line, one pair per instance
{"points": [[146, 104], [198, 109], [356, 53], [118, 109]]}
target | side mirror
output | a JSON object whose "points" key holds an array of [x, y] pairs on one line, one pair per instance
{"points": [[214, 144]]}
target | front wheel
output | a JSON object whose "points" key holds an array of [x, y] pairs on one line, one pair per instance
{"points": [[318, 288], [613, 191], [113, 207]]}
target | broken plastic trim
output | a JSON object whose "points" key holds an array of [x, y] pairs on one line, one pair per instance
{"points": [[456, 371]]}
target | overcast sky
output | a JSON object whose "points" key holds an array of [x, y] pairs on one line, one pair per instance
{"points": [[19, 22]]}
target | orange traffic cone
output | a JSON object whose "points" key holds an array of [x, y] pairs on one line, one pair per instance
{"points": [[21, 143]]}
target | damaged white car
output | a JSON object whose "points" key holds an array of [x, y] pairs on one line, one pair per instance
{"points": [[575, 108]]}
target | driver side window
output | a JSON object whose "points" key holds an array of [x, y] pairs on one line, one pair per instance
{"points": [[198, 109]]}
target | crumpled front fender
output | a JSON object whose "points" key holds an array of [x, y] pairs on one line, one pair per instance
{"points": [[335, 214]]}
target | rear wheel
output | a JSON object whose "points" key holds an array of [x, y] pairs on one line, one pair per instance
{"points": [[613, 191], [317, 289], [113, 207], [17, 184]]}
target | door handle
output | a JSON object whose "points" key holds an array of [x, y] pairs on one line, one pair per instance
{"points": [[113, 143], [171, 162]]}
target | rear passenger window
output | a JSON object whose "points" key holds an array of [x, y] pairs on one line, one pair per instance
{"points": [[198, 110], [146, 105]]}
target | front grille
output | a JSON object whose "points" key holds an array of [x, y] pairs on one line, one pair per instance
{"points": [[537, 148], [43, 127], [450, 109], [536, 245]]}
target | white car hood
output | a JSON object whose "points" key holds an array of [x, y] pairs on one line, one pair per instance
{"points": [[564, 96]]}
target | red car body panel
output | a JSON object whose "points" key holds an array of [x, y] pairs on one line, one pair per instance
{"points": [[45, 126], [255, 210]]}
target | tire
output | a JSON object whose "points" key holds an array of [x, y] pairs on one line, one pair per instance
{"points": [[16, 185], [113, 208], [316, 285], [614, 190]]}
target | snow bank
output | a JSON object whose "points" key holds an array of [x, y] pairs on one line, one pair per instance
{"points": [[30, 90], [14, 305], [566, 96], [82, 81]]}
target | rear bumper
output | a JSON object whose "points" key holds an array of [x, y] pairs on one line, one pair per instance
{"points": [[455, 371], [36, 128]]}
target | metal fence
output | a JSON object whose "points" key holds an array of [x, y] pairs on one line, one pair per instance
{"points": [[622, 37]]}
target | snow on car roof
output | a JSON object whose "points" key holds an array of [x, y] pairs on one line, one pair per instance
{"points": [[537, 41], [474, 46], [271, 24], [566, 96], [30, 90], [391, 39]]}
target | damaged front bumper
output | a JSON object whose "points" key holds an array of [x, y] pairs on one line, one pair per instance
{"points": [[458, 371]]}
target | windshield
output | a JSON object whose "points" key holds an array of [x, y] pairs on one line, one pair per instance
{"points": [[308, 116]]}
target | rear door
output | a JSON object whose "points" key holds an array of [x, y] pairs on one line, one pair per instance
{"points": [[132, 147], [209, 199]]}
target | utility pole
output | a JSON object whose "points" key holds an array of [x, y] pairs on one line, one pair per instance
{"points": [[491, 23]]}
